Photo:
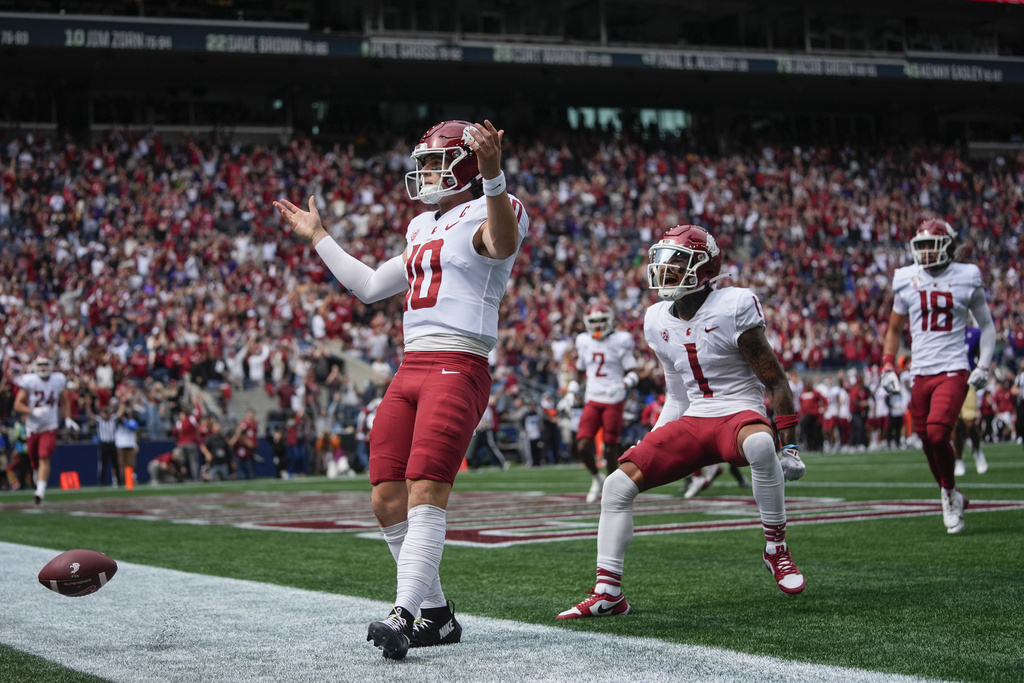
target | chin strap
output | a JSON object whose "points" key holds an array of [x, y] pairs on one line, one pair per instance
{"points": [[719, 277], [707, 285]]}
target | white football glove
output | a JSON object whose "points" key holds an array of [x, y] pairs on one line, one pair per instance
{"points": [[40, 411], [71, 424], [978, 378], [890, 381], [792, 466]]}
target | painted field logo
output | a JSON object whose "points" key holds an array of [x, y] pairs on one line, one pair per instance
{"points": [[497, 519]]}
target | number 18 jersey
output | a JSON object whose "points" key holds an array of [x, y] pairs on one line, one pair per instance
{"points": [[701, 358], [937, 307]]}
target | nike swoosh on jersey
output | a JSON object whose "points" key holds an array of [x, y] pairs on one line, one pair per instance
{"points": [[709, 329], [449, 227], [450, 372]]}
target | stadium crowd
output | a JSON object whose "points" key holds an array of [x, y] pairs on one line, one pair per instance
{"points": [[148, 269]]}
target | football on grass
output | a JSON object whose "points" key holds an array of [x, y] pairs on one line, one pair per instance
{"points": [[77, 572]]}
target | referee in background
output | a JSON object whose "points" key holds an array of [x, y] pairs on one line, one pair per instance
{"points": [[105, 424]]}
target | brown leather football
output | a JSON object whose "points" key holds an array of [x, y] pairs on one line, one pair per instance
{"points": [[77, 572]]}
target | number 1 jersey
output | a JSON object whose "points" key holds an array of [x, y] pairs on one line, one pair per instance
{"points": [[701, 359]]}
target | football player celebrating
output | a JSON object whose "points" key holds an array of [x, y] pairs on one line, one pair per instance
{"points": [[605, 360], [717, 362], [42, 400], [454, 270], [936, 294]]}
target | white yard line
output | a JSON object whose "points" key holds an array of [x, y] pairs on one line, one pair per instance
{"points": [[151, 624]]}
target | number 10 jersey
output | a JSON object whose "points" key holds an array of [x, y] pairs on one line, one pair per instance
{"points": [[453, 290]]}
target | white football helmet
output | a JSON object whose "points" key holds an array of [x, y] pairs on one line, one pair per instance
{"points": [[43, 367], [934, 244], [598, 319]]}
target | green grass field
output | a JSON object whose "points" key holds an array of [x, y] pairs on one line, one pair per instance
{"points": [[895, 595]]}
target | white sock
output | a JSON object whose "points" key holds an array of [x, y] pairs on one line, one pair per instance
{"points": [[766, 478], [395, 535], [615, 530], [420, 557], [41, 488]]}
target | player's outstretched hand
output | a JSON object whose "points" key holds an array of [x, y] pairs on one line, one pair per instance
{"points": [[305, 224]]}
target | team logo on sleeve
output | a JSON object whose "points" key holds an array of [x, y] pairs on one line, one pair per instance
{"points": [[664, 335]]}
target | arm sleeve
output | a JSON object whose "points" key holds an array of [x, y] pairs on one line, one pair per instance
{"points": [[367, 284], [987, 342]]}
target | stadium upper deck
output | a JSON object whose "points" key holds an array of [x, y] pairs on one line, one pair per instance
{"points": [[944, 69]]}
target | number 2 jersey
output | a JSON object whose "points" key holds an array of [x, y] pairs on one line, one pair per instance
{"points": [[42, 393], [453, 290], [700, 357], [937, 307], [606, 362]]}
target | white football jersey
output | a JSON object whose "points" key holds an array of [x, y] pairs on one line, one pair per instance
{"points": [[843, 404], [830, 400], [42, 393], [937, 308], [701, 357], [880, 403], [606, 362], [452, 289]]}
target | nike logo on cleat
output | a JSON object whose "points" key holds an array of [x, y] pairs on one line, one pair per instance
{"points": [[605, 610], [450, 372], [446, 629]]}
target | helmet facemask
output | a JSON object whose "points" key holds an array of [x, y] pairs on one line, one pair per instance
{"points": [[931, 250], [438, 162], [598, 323], [443, 151], [674, 270], [43, 368]]}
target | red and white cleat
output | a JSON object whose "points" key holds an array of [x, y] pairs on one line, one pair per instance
{"points": [[598, 605], [781, 565]]}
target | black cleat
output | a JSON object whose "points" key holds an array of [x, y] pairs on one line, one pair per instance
{"points": [[38, 499], [443, 629], [391, 635]]}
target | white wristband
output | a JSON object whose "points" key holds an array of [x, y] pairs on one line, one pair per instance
{"points": [[494, 186]]}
